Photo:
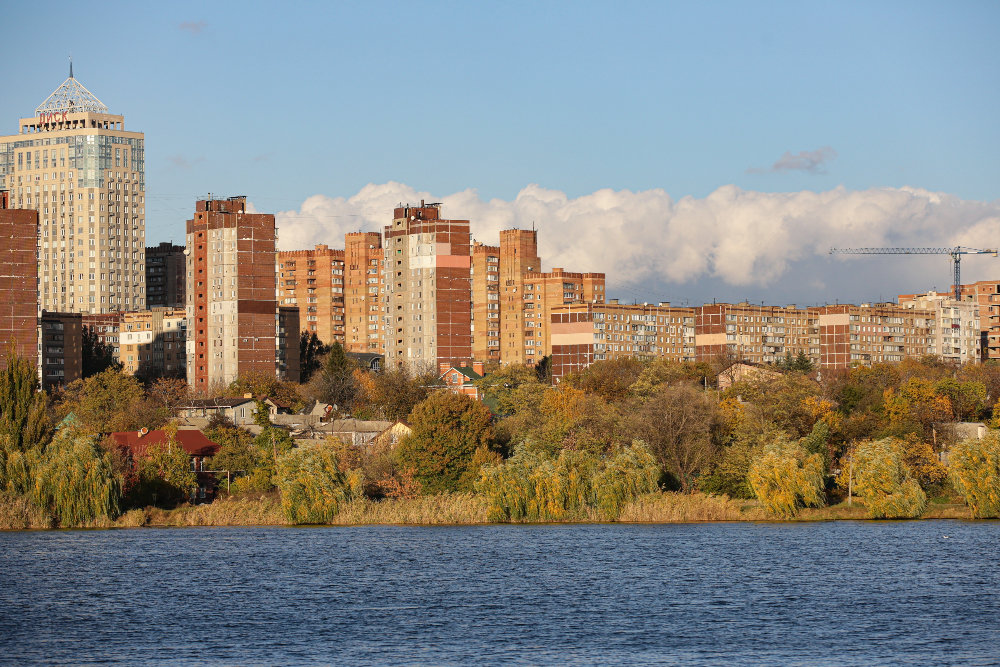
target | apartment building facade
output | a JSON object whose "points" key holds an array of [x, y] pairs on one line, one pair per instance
{"points": [[18, 282], [583, 333], [84, 173], [232, 308], [752, 333], [427, 297], [165, 279], [153, 343], [60, 348], [313, 282], [363, 286], [544, 292]]}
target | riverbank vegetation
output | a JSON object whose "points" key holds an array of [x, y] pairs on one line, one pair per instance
{"points": [[625, 440]]}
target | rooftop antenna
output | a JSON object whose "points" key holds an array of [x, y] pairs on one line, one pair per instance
{"points": [[71, 67]]}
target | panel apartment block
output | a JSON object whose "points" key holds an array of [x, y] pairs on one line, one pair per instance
{"points": [[957, 327], [18, 282], [756, 334], [165, 279], [584, 333], [428, 293], [873, 333], [76, 165], [518, 259], [313, 282], [232, 309], [363, 285]]}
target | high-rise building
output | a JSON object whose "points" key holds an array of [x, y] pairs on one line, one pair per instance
{"points": [[428, 294], [313, 282], [165, 267], [232, 312], [543, 292], [486, 302], [76, 165], [18, 282], [363, 286]]}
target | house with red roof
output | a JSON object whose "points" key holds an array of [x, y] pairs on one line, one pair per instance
{"points": [[195, 443]]}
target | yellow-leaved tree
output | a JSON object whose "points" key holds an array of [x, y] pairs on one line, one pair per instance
{"points": [[974, 466], [882, 478], [313, 487], [785, 478]]}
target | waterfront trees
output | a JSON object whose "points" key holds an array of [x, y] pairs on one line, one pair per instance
{"points": [[313, 487], [882, 479], [448, 430], [975, 471], [785, 478]]}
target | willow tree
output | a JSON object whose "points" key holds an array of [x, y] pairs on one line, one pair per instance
{"points": [[974, 466], [785, 478], [313, 488], [630, 473], [76, 479], [535, 486], [882, 479], [24, 423]]}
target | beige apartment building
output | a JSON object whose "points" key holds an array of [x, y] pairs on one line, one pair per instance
{"points": [[587, 332], [152, 343], [313, 282], [543, 293], [77, 165], [428, 293], [958, 327], [363, 286]]}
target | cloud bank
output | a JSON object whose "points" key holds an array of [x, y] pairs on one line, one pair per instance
{"points": [[733, 237]]}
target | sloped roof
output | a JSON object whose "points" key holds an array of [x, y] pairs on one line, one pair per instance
{"points": [[464, 370], [194, 442], [72, 96], [216, 403]]}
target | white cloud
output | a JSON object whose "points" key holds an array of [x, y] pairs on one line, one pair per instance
{"points": [[733, 236]]}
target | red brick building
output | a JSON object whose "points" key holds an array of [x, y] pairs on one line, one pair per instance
{"points": [[18, 281]]}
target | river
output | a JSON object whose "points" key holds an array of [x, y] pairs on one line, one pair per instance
{"points": [[850, 593]]}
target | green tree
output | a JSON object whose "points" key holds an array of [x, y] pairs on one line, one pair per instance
{"points": [[448, 428], [974, 466], [881, 477], [785, 478], [311, 350], [801, 363], [313, 488], [266, 385], [24, 421], [609, 379], [630, 473], [508, 387], [96, 356], [76, 479], [968, 399], [336, 383], [391, 393]]}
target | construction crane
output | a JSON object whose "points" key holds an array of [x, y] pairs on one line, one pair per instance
{"points": [[956, 257]]}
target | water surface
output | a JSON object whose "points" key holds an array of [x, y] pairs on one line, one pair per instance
{"points": [[853, 593]]}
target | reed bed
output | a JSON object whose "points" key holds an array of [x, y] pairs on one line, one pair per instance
{"points": [[245, 511], [689, 507], [19, 513], [442, 509]]}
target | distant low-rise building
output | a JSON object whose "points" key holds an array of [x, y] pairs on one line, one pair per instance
{"points": [[461, 379], [239, 411], [60, 348]]}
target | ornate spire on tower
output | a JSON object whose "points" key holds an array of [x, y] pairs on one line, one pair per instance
{"points": [[71, 96]]}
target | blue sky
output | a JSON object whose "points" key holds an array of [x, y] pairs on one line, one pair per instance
{"points": [[286, 102]]}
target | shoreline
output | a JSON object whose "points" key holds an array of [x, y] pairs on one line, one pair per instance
{"points": [[469, 510]]}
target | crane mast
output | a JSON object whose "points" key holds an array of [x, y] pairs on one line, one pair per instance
{"points": [[955, 253]]}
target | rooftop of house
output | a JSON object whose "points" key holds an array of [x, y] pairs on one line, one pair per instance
{"points": [[194, 442]]}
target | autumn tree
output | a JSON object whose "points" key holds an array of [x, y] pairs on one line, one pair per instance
{"points": [[677, 423], [266, 385], [24, 422], [391, 393], [312, 485], [967, 399], [974, 466], [915, 406], [785, 478], [882, 479], [76, 480], [610, 379], [509, 387], [108, 402], [448, 429], [662, 371]]}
